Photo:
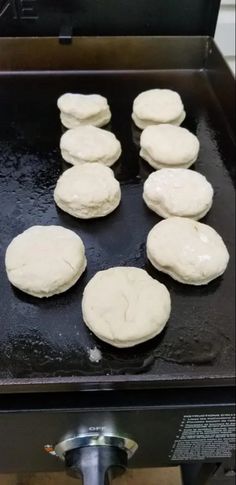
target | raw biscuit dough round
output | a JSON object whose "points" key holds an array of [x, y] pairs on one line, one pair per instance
{"points": [[45, 260], [189, 251], [168, 146], [88, 144], [124, 306], [178, 192], [87, 191], [158, 106], [83, 109]]}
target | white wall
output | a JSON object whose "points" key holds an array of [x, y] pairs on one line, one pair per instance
{"points": [[225, 31]]}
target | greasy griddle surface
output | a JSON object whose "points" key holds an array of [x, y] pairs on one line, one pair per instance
{"points": [[46, 338]]}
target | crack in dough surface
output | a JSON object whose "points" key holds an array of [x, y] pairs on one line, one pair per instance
{"points": [[125, 306]]}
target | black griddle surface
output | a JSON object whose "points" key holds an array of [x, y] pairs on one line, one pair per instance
{"points": [[44, 343]]}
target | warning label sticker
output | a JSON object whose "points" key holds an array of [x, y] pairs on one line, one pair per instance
{"points": [[204, 436]]}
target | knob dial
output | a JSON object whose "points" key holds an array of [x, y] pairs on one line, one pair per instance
{"points": [[96, 457]]}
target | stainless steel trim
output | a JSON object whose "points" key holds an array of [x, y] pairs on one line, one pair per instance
{"points": [[97, 439]]}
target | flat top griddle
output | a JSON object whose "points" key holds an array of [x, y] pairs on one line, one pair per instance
{"points": [[44, 344]]}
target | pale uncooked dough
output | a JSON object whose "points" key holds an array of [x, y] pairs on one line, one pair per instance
{"points": [[144, 124], [170, 146], [158, 106], [189, 251], [45, 260], [88, 190], [178, 192], [124, 306], [88, 144], [83, 109]]}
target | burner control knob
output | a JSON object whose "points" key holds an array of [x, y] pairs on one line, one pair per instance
{"points": [[98, 458]]}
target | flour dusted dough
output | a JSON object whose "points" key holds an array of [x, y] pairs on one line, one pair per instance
{"points": [[166, 146], [178, 192], [87, 191], [83, 109], [158, 106], [45, 260], [88, 144], [124, 306], [189, 251]]}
